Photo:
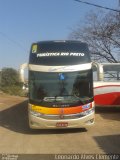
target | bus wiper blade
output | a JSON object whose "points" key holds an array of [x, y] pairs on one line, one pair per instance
{"points": [[75, 98]]}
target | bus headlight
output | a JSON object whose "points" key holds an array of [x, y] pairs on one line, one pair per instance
{"points": [[89, 111], [34, 113]]}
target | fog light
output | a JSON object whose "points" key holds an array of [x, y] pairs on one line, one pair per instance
{"points": [[91, 121]]}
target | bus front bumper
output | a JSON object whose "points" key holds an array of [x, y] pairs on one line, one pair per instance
{"points": [[41, 123]]}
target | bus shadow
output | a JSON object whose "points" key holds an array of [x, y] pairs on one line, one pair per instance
{"points": [[57, 131], [114, 109], [15, 118], [110, 113], [110, 144]]}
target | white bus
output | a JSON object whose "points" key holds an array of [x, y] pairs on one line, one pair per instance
{"points": [[106, 84], [60, 85]]}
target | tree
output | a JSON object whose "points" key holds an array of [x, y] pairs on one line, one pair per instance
{"points": [[10, 81], [102, 33]]}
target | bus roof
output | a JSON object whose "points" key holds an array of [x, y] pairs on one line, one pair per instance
{"points": [[60, 41]]}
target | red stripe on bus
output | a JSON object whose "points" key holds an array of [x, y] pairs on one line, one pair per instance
{"points": [[107, 86], [107, 99]]}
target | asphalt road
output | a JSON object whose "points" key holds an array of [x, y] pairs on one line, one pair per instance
{"points": [[17, 138]]}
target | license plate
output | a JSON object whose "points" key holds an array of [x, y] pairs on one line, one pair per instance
{"points": [[62, 124]]}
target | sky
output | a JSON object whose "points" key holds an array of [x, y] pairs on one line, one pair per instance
{"points": [[23, 22]]}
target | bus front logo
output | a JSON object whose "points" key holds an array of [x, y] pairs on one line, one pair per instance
{"points": [[61, 113]]}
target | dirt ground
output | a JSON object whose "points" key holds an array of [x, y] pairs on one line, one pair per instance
{"points": [[17, 138]]}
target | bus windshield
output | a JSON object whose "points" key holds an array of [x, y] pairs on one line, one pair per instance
{"points": [[69, 88]]}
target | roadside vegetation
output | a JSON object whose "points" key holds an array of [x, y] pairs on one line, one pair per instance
{"points": [[10, 82]]}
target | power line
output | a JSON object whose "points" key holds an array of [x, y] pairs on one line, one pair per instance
{"points": [[95, 5], [13, 41]]}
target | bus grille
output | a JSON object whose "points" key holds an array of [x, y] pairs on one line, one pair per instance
{"points": [[61, 116]]}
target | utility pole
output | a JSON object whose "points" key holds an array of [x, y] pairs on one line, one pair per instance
{"points": [[119, 5], [119, 8]]}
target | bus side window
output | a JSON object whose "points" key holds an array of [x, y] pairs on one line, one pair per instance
{"points": [[95, 74]]}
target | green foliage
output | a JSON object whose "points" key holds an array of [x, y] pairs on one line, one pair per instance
{"points": [[9, 76], [10, 82]]}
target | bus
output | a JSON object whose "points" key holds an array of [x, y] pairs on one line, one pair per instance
{"points": [[60, 85], [106, 84]]}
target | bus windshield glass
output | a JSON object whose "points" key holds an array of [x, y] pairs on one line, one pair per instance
{"points": [[58, 54], [71, 88]]}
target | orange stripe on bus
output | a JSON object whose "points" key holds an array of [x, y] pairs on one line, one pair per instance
{"points": [[68, 110]]}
